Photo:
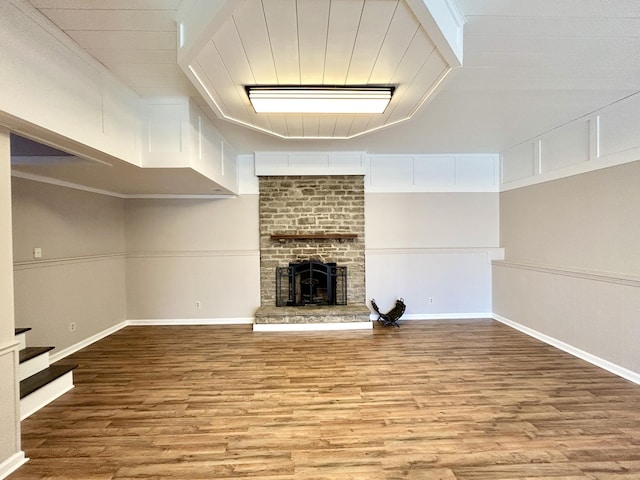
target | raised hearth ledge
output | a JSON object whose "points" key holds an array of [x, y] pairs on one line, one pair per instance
{"points": [[311, 327], [312, 317]]}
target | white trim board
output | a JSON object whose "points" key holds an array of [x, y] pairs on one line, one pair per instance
{"points": [[190, 321], [576, 352], [311, 327], [54, 357], [12, 463], [586, 166], [76, 186], [53, 262], [57, 356], [593, 275], [194, 253], [597, 361], [412, 317], [12, 345]]}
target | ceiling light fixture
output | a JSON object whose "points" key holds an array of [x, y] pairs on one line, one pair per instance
{"points": [[319, 99]]}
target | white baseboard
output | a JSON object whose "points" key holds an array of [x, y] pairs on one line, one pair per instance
{"points": [[54, 357], [12, 463], [311, 327], [439, 316], [576, 352], [191, 321]]}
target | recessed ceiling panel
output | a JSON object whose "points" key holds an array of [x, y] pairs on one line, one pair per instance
{"points": [[320, 42], [312, 18], [529, 66], [344, 22], [374, 26], [283, 41]]}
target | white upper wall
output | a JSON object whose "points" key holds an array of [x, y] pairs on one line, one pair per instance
{"points": [[53, 91], [49, 82], [383, 173], [608, 137]]}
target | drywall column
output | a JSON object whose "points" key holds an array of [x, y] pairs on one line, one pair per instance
{"points": [[10, 455]]}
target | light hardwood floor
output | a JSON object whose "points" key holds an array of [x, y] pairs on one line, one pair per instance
{"points": [[436, 400]]}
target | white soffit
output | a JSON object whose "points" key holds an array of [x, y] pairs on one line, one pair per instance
{"points": [[410, 44]]}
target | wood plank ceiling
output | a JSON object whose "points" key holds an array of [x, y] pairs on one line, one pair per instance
{"points": [[134, 39], [324, 42], [529, 66]]}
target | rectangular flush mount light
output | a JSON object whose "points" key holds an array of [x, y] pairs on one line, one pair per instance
{"points": [[319, 99]]}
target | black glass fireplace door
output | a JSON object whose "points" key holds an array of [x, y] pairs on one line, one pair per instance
{"points": [[311, 283]]}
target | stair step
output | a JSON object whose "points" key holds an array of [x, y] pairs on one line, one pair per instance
{"points": [[40, 379], [21, 336], [28, 353], [33, 360], [44, 387]]}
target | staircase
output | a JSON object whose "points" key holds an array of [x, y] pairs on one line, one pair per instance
{"points": [[40, 382]]}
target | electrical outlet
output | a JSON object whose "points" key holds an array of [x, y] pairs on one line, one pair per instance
{"points": [[37, 252], [198, 304], [430, 299], [72, 327]]}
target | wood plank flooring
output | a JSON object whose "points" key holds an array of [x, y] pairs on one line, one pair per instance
{"points": [[436, 400]]}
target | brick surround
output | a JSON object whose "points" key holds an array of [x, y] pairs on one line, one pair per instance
{"points": [[312, 205]]}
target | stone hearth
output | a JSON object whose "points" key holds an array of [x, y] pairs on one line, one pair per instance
{"points": [[312, 314]]}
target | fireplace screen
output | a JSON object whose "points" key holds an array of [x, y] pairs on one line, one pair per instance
{"points": [[311, 283]]}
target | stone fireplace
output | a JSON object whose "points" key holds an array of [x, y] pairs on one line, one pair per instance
{"points": [[314, 223]]}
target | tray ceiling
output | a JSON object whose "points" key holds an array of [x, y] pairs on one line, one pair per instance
{"points": [[337, 42], [528, 68]]}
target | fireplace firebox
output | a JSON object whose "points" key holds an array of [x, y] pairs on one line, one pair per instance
{"points": [[311, 282]]}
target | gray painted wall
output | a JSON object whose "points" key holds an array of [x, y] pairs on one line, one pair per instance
{"points": [[185, 251], [106, 259], [572, 262], [433, 250], [588, 221], [431, 220], [81, 275]]}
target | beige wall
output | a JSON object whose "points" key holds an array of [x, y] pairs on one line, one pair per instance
{"points": [[420, 246], [431, 220], [177, 251], [170, 225], [572, 266], [186, 251], [432, 249], [64, 222], [587, 221], [106, 260], [81, 275]]}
